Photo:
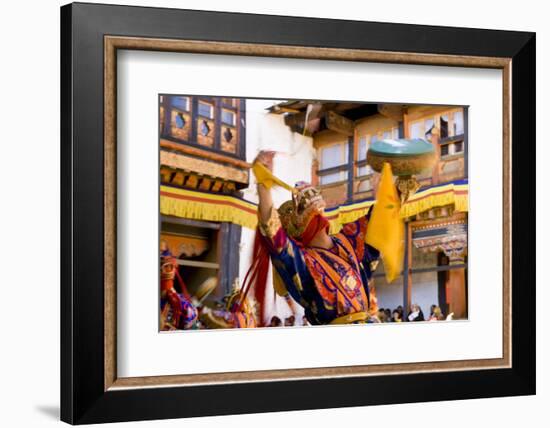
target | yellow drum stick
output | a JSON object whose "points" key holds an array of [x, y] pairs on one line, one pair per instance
{"points": [[265, 177]]}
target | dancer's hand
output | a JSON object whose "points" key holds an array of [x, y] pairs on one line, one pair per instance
{"points": [[265, 157], [265, 201]]}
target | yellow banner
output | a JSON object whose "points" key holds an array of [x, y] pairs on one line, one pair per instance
{"points": [[207, 206], [447, 194], [385, 231], [197, 205], [346, 214]]}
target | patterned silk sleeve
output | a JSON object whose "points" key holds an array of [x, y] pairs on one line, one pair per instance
{"points": [[356, 232], [273, 232], [290, 267]]}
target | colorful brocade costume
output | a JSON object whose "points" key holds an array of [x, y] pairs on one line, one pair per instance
{"points": [[233, 315], [331, 285], [240, 315], [177, 311], [238, 318]]}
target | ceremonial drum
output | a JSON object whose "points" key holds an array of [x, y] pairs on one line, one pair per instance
{"points": [[406, 157]]}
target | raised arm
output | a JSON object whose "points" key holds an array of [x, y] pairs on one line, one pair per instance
{"points": [[265, 203], [268, 216]]}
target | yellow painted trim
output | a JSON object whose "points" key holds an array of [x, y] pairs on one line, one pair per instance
{"points": [[209, 207], [197, 205]]}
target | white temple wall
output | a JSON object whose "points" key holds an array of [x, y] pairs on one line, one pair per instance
{"points": [[293, 162]]}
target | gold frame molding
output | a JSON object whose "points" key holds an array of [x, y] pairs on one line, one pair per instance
{"points": [[113, 43]]}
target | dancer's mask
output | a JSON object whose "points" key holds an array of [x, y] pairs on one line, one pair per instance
{"points": [[303, 216]]}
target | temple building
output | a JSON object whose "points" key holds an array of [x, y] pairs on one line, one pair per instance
{"points": [[202, 161], [208, 197], [435, 265]]}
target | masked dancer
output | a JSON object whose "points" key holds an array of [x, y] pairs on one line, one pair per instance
{"points": [[329, 275]]}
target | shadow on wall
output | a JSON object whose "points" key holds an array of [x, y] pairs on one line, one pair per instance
{"points": [[51, 411]]}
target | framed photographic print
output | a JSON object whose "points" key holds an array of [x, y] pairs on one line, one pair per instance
{"points": [[257, 207]]}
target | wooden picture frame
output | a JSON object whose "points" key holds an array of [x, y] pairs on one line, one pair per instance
{"points": [[91, 392]]}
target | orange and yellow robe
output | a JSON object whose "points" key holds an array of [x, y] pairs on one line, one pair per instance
{"points": [[332, 285]]}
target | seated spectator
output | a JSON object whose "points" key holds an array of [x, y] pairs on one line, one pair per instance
{"points": [[275, 322], [289, 322], [381, 315], [437, 315], [401, 311], [416, 313], [397, 316]]}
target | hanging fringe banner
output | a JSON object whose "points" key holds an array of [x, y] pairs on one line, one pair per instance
{"points": [[197, 205], [346, 214], [207, 206], [454, 193]]}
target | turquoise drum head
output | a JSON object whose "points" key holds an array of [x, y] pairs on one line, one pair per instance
{"points": [[401, 147]]}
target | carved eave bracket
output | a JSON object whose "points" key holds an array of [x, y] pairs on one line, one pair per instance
{"points": [[207, 173], [450, 237]]}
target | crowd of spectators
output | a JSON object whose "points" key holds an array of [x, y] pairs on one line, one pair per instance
{"points": [[415, 313], [383, 315]]}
